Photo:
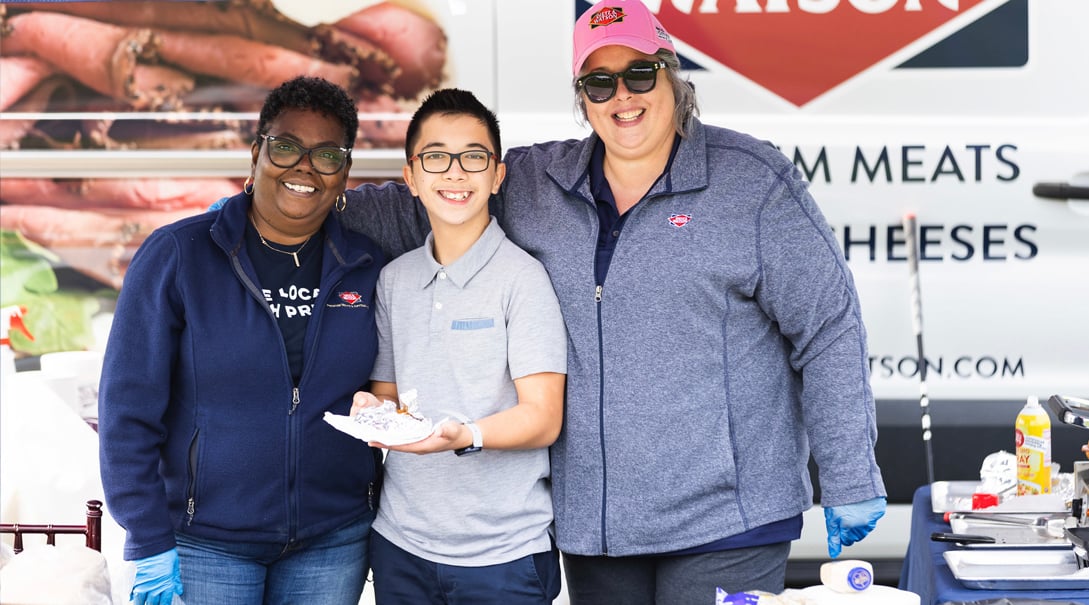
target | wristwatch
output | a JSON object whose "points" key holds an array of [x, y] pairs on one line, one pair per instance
{"points": [[478, 440]]}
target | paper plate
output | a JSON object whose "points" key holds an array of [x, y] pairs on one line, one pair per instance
{"points": [[383, 424]]}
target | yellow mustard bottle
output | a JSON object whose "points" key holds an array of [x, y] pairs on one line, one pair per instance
{"points": [[1033, 439]]}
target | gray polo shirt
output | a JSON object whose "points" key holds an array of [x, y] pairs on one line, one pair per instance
{"points": [[460, 335]]}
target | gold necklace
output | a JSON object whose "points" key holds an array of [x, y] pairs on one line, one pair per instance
{"points": [[294, 255]]}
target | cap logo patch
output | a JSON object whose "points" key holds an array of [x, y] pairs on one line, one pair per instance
{"points": [[679, 220], [350, 297], [606, 16]]}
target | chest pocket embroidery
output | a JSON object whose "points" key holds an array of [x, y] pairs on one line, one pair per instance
{"points": [[482, 323]]}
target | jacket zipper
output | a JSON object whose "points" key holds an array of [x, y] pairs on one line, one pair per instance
{"points": [[256, 292], [601, 419], [598, 291], [315, 317], [293, 445], [191, 496], [295, 398]]}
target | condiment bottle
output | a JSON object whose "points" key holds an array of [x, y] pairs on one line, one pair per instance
{"points": [[1033, 439]]}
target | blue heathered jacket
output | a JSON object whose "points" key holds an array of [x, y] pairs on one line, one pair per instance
{"points": [[201, 427], [725, 344]]}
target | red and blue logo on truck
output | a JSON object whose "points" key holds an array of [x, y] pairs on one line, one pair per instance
{"points": [[801, 49]]}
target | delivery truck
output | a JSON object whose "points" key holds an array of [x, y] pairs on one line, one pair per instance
{"points": [[970, 115]]}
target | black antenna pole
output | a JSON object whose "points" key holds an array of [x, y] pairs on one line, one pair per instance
{"points": [[917, 327]]}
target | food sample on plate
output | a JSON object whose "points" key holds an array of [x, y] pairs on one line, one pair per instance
{"points": [[388, 423]]}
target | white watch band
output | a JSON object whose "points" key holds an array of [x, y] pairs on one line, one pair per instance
{"points": [[478, 438]]}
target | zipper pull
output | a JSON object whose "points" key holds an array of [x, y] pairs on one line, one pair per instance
{"points": [[294, 400], [190, 510], [597, 294]]}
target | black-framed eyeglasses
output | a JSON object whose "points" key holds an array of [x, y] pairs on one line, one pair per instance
{"points": [[473, 160], [639, 78], [286, 154]]}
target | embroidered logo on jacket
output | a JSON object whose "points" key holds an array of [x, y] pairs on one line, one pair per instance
{"points": [[350, 297], [352, 300], [679, 220]]}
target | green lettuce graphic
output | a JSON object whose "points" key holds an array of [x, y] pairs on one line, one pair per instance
{"points": [[59, 319]]}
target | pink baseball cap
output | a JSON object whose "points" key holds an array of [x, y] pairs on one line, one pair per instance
{"points": [[624, 22]]}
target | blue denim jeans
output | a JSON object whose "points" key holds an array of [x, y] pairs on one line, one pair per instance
{"points": [[401, 578], [330, 569]]}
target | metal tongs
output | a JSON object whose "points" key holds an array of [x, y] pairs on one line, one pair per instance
{"points": [[1070, 410], [1079, 538], [1041, 525], [1030, 522]]}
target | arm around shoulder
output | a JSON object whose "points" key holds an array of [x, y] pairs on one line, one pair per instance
{"points": [[388, 214]]}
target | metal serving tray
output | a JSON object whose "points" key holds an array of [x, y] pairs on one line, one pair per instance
{"points": [[1012, 569]]}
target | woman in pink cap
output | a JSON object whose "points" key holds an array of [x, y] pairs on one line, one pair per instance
{"points": [[715, 334]]}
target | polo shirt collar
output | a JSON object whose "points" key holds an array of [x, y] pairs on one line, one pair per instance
{"points": [[464, 268]]}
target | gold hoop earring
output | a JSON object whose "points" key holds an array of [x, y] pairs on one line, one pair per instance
{"points": [[249, 184], [342, 202]]}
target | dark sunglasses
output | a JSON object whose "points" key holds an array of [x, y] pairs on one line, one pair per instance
{"points": [[639, 78], [286, 154]]}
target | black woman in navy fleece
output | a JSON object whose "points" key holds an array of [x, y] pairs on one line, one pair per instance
{"points": [[235, 331]]}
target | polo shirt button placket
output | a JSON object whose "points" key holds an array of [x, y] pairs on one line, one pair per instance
{"points": [[442, 276]]}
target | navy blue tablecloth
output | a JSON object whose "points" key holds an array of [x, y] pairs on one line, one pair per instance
{"points": [[926, 574]]}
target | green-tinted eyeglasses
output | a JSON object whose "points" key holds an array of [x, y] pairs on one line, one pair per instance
{"points": [[474, 160], [639, 78], [286, 154]]}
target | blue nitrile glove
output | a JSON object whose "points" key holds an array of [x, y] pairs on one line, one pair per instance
{"points": [[849, 523], [158, 579]]}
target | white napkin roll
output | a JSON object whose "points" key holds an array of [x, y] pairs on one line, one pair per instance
{"points": [[849, 575]]}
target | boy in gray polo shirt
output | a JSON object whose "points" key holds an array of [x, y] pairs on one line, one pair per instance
{"points": [[470, 321]]}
